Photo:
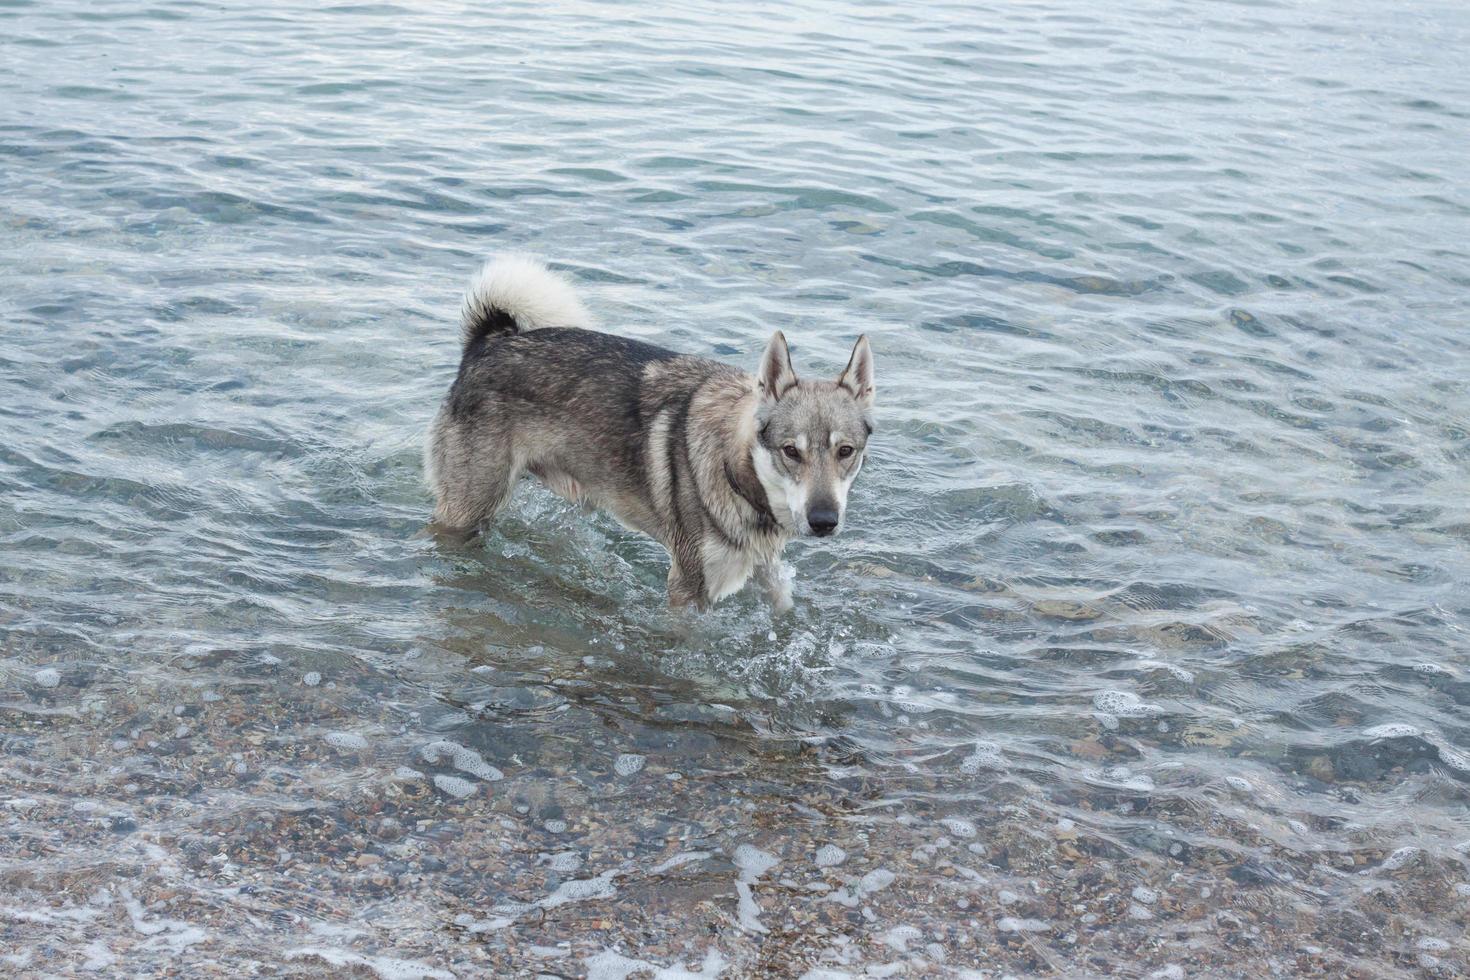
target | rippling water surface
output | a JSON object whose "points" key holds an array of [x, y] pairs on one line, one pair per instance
{"points": [[1145, 653]]}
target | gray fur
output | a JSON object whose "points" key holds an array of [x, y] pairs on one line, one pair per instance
{"points": [[690, 451]]}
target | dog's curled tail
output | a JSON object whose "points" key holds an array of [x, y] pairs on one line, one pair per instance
{"points": [[516, 293]]}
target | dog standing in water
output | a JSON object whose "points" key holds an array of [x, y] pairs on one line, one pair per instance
{"points": [[721, 467]]}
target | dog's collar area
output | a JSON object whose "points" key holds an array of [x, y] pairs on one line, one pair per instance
{"points": [[764, 517]]}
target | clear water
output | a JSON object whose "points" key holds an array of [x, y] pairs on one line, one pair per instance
{"points": [[1146, 650]]}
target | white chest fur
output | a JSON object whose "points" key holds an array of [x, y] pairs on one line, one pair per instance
{"points": [[727, 568]]}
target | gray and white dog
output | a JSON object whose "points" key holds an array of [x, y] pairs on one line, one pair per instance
{"points": [[720, 467]]}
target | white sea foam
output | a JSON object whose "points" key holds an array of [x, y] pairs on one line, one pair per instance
{"points": [[1394, 729], [1124, 704], [677, 860], [1121, 777], [564, 863], [1448, 754], [874, 881], [987, 755], [961, 828], [612, 965], [581, 890], [385, 967], [747, 913], [1401, 858], [462, 758], [454, 785], [899, 937], [170, 934], [47, 915], [347, 741], [714, 964], [336, 930], [99, 956], [1013, 924], [1173, 670], [475, 926], [753, 862]]}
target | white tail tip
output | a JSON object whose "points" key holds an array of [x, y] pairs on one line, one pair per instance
{"points": [[524, 289]]}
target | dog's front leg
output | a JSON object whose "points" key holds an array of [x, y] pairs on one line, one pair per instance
{"points": [[685, 590], [775, 577]]}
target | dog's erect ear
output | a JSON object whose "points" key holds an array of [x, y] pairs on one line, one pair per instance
{"points": [[857, 377], [776, 376]]}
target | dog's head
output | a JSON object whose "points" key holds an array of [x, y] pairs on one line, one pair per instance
{"points": [[812, 437]]}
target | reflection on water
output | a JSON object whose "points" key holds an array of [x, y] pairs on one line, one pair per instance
{"points": [[1145, 653]]}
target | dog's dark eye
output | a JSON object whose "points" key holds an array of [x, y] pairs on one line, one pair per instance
{"points": [[844, 451], [791, 452]]}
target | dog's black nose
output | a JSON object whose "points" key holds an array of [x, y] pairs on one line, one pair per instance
{"points": [[823, 521]]}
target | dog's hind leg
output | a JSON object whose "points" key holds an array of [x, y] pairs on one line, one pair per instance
{"points": [[472, 478], [470, 501]]}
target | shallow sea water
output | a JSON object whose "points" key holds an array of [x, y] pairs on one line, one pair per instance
{"points": [[1145, 653]]}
